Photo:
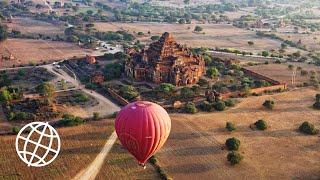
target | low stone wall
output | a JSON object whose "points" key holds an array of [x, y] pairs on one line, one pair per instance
{"points": [[260, 76], [117, 97], [269, 88]]}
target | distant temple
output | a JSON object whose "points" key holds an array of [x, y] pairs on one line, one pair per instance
{"points": [[165, 61]]}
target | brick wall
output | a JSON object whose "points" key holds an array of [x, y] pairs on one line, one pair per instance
{"points": [[117, 97]]}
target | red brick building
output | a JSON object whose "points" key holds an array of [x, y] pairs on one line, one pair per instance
{"points": [[165, 61]]}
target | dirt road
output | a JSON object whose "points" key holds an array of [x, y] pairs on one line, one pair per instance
{"points": [[93, 169], [105, 107]]}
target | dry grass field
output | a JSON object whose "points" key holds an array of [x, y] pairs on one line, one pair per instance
{"points": [[195, 149], [28, 51], [215, 35], [282, 73], [311, 41], [120, 165], [34, 27], [80, 146]]}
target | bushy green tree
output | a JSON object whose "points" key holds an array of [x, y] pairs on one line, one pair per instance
{"points": [[5, 96], [70, 120], [261, 124], [198, 29], [265, 53], [128, 92], [112, 71], [166, 89], [308, 128], [206, 106], [212, 72], [219, 106], [316, 105], [233, 144], [269, 104], [191, 108], [46, 90], [186, 93], [234, 157], [230, 126]]}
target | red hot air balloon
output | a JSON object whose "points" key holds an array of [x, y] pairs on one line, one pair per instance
{"points": [[143, 127]]}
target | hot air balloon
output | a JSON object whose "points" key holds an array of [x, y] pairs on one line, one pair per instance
{"points": [[143, 127]]}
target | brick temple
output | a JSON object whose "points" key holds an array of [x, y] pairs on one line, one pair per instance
{"points": [[165, 61]]}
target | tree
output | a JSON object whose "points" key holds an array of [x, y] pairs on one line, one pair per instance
{"points": [[316, 105], [234, 157], [233, 144], [112, 71], [269, 104], [166, 89], [265, 53], [212, 72], [290, 66], [219, 106], [90, 12], [308, 128], [5, 96], [46, 90], [230, 126], [70, 120], [198, 29], [206, 106], [251, 43], [96, 116], [155, 38], [191, 108], [3, 33], [128, 92], [186, 93], [182, 21], [261, 124]]}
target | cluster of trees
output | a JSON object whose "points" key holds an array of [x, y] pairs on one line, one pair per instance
{"points": [[70, 120], [113, 71], [128, 92], [233, 145], [287, 42]]}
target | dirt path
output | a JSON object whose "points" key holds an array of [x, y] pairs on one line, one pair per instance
{"points": [[105, 107], [93, 169]]}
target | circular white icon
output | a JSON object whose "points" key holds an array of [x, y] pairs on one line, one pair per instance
{"points": [[38, 144]]}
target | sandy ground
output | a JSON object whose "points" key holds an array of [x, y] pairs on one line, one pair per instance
{"points": [[282, 73], [26, 51], [195, 147], [105, 107], [215, 35], [35, 27], [79, 147]]}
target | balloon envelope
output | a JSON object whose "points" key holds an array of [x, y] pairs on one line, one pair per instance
{"points": [[143, 127]]}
